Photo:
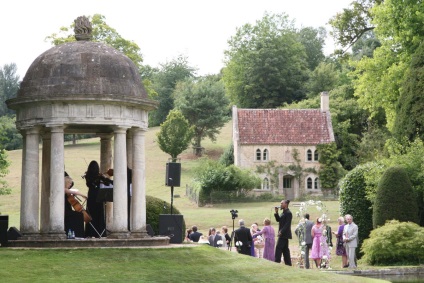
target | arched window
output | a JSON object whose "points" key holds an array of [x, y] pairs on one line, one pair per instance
{"points": [[266, 184], [265, 154], [258, 155], [316, 155], [309, 155], [309, 183], [316, 184]]}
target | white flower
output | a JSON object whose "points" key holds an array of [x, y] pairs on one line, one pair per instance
{"points": [[302, 204], [320, 244], [302, 253], [320, 219], [325, 231], [303, 243], [311, 202], [298, 214], [239, 244], [319, 208], [219, 243], [330, 248], [324, 257]]}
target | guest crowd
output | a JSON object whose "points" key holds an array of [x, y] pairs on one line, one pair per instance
{"points": [[315, 239]]}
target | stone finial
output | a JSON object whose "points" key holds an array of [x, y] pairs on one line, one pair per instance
{"points": [[82, 28]]}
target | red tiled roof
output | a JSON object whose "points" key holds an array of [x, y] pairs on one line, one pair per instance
{"points": [[284, 126]]}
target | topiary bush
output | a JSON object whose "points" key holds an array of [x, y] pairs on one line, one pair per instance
{"points": [[156, 206], [395, 243], [395, 198], [353, 201]]}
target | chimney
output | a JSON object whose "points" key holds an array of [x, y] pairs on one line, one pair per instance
{"points": [[325, 101]]}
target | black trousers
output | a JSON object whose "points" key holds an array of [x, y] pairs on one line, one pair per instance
{"points": [[282, 248]]}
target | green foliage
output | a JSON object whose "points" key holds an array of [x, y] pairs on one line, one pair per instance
{"points": [[164, 82], [204, 104], [227, 157], [350, 25], [324, 77], [395, 243], [395, 198], [213, 176], [409, 120], [4, 165], [155, 207], [266, 64], [353, 201], [10, 138], [313, 40], [175, 134], [330, 170], [9, 85]]}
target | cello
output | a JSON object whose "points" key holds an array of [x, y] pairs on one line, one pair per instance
{"points": [[73, 200]]}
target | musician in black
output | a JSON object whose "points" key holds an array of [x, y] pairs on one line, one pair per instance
{"points": [[93, 178], [74, 220]]}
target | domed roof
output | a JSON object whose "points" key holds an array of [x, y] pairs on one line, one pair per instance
{"points": [[82, 68]]}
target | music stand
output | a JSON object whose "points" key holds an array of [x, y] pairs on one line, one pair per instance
{"points": [[105, 194]]}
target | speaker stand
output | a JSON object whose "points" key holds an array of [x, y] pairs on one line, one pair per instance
{"points": [[172, 197]]}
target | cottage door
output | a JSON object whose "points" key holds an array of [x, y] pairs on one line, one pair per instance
{"points": [[288, 187]]}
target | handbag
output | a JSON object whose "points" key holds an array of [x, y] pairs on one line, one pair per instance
{"points": [[340, 243]]}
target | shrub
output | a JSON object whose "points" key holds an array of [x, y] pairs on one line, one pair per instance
{"points": [[156, 206], [396, 243], [395, 198], [353, 201]]}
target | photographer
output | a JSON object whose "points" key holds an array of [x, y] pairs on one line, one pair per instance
{"points": [[284, 232]]}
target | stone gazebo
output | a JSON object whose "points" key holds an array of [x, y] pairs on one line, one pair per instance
{"points": [[74, 88]]}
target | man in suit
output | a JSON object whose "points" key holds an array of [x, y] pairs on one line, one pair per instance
{"points": [[243, 236], [214, 238], [350, 237], [305, 236], [284, 232], [195, 236]]}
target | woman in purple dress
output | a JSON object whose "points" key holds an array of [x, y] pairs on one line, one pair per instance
{"points": [[340, 250], [268, 234], [319, 243]]}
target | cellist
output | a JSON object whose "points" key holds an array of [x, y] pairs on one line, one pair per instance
{"points": [[74, 220]]}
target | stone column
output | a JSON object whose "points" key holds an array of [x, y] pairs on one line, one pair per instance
{"points": [[105, 164], [138, 204], [30, 185], [45, 184], [120, 220], [130, 166], [57, 184]]}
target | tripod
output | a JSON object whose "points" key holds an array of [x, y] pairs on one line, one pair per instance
{"points": [[232, 237]]}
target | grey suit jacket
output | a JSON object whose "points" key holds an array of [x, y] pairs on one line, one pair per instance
{"points": [[214, 242], [308, 229], [350, 233]]}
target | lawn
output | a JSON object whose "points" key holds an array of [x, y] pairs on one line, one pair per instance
{"points": [[187, 264]]}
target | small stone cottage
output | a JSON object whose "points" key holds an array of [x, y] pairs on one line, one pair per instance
{"points": [[288, 137]]}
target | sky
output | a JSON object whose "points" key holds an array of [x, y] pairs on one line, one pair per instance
{"points": [[163, 29]]}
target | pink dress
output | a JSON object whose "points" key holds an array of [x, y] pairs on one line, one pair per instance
{"points": [[319, 244], [268, 234]]}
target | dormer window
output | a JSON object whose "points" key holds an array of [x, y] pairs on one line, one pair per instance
{"points": [[258, 155], [316, 155], [265, 156], [309, 155]]}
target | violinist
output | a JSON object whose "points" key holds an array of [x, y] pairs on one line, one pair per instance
{"points": [[74, 220], [93, 178]]}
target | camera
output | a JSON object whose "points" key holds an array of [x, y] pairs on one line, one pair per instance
{"points": [[234, 214]]}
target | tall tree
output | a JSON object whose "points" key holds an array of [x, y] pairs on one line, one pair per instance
{"points": [[9, 85], [266, 64], [204, 104], [379, 79], [164, 82], [353, 23], [313, 40], [175, 134], [409, 120]]}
